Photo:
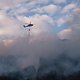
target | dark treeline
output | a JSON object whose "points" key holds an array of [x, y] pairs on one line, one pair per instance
{"points": [[50, 76]]}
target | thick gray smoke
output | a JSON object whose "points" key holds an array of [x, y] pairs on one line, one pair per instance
{"points": [[27, 51]]}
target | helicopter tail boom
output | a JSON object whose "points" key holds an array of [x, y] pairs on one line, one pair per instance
{"points": [[24, 26]]}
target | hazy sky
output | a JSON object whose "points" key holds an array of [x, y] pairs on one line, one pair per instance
{"points": [[56, 29]]}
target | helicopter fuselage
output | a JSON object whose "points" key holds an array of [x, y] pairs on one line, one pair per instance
{"points": [[30, 25]]}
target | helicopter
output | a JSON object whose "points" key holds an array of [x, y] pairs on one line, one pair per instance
{"points": [[29, 25]]}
